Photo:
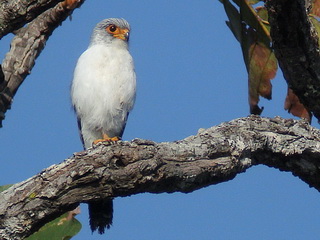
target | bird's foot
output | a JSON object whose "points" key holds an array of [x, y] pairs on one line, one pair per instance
{"points": [[106, 139]]}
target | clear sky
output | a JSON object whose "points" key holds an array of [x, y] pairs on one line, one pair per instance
{"points": [[190, 75]]}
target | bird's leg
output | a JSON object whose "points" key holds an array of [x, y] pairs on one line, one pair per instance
{"points": [[106, 138]]}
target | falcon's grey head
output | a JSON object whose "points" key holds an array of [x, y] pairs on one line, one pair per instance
{"points": [[110, 30]]}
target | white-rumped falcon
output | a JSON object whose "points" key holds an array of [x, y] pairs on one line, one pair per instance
{"points": [[103, 92]]}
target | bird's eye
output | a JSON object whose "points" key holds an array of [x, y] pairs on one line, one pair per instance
{"points": [[112, 28]]}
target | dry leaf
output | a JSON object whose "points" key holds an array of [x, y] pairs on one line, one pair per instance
{"points": [[295, 107]]}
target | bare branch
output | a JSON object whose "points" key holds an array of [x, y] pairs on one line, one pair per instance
{"points": [[26, 47], [296, 47], [16, 13], [212, 156]]}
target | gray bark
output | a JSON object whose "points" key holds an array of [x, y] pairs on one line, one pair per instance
{"points": [[16, 13], [212, 156]]}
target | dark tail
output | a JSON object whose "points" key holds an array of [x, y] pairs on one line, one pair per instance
{"points": [[100, 214]]}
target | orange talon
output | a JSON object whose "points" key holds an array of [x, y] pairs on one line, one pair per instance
{"points": [[106, 138]]}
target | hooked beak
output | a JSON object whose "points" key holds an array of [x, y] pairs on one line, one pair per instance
{"points": [[123, 34]]}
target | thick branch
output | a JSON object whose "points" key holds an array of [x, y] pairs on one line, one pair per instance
{"points": [[212, 156], [296, 46], [26, 47], [16, 13]]}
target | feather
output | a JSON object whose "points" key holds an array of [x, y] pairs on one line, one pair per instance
{"points": [[103, 93]]}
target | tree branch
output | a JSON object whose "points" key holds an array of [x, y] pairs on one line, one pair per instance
{"points": [[212, 156], [16, 13], [296, 46], [26, 47]]}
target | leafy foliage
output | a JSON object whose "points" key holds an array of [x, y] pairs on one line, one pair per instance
{"points": [[250, 27], [248, 21], [62, 228]]}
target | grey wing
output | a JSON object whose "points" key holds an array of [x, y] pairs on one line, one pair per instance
{"points": [[124, 125], [80, 132]]}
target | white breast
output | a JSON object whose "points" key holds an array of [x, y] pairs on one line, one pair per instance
{"points": [[103, 90]]}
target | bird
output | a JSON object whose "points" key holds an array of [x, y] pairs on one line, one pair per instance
{"points": [[103, 92]]}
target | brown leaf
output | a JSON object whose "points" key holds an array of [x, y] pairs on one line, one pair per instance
{"points": [[252, 30], [295, 107], [73, 213], [315, 10], [262, 69]]}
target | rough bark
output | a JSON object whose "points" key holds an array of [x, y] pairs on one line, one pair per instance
{"points": [[296, 47], [16, 13], [212, 156], [26, 47]]}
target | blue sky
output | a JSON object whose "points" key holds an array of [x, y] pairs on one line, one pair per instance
{"points": [[190, 75]]}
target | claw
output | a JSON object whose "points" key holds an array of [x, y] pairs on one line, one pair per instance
{"points": [[106, 138]]}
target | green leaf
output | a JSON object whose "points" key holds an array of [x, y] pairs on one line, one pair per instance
{"points": [[250, 16], [262, 13], [252, 2], [234, 23], [62, 228]]}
